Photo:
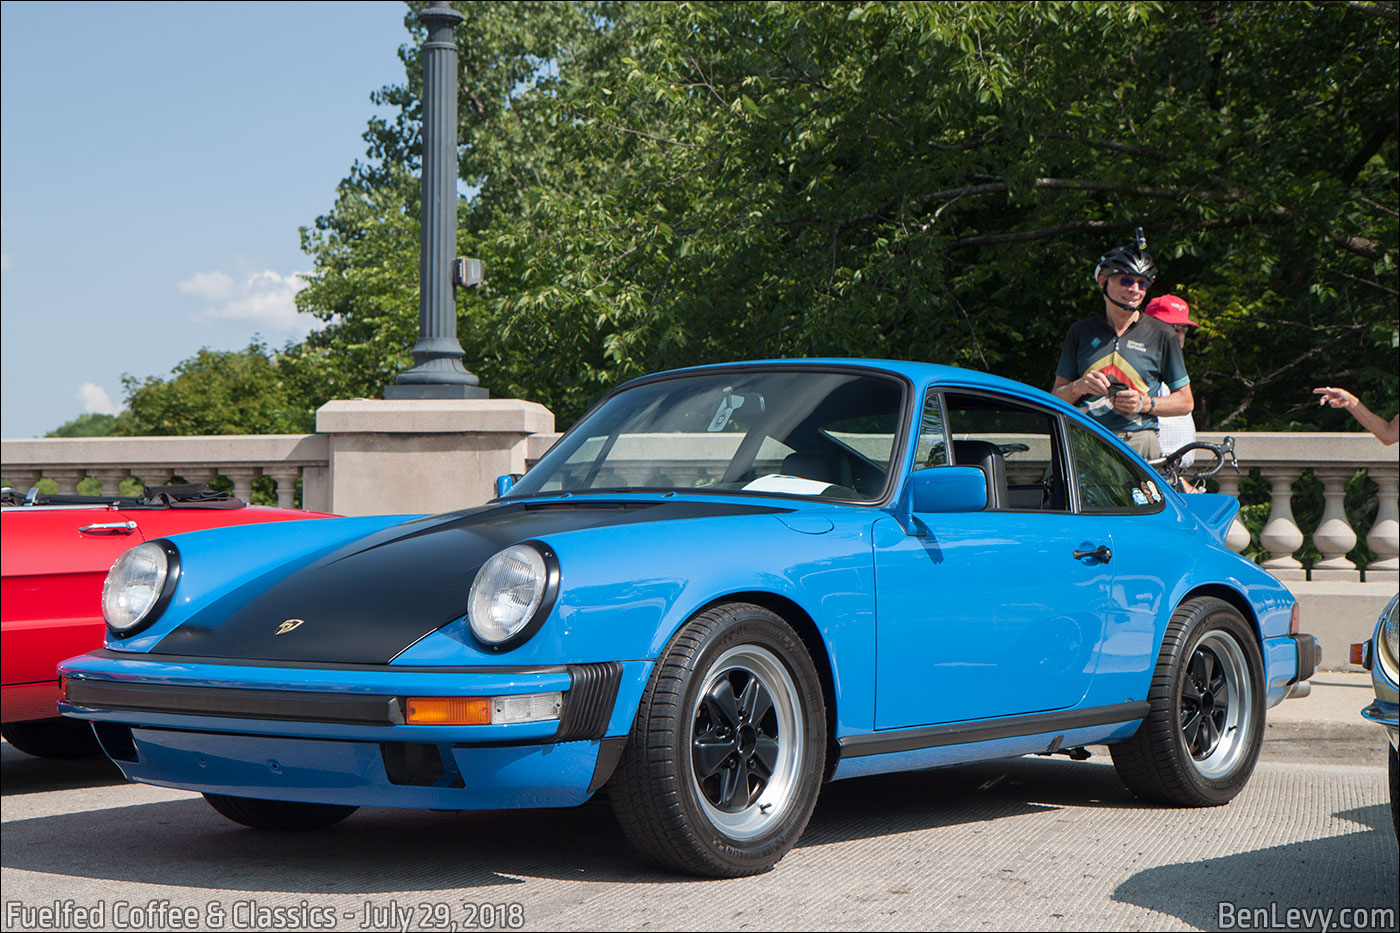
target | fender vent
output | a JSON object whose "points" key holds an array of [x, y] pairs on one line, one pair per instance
{"points": [[589, 703]]}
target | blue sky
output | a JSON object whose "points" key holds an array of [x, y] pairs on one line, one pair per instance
{"points": [[156, 162]]}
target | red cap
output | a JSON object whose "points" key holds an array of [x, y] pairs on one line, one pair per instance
{"points": [[1170, 309]]}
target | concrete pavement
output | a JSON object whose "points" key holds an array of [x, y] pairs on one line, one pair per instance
{"points": [[1327, 724]]}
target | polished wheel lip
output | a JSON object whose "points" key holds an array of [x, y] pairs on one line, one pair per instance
{"points": [[766, 682], [1216, 705]]}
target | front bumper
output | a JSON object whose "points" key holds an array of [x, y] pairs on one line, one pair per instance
{"points": [[337, 735], [1388, 715]]}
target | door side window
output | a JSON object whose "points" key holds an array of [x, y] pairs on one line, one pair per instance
{"points": [[1018, 447], [1109, 481]]}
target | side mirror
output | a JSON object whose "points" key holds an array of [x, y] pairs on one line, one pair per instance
{"points": [[950, 489], [505, 481]]}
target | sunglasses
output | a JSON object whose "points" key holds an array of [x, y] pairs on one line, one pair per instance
{"points": [[1132, 281]]}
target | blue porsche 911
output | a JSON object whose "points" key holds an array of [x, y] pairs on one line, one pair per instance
{"points": [[721, 588]]}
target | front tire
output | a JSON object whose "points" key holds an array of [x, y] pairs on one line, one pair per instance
{"points": [[1200, 742], [279, 814], [726, 755], [1395, 791]]}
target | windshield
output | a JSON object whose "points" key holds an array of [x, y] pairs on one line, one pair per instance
{"points": [[785, 432]]}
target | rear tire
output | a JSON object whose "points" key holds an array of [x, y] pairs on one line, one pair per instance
{"points": [[279, 814], [59, 737], [1200, 742]]}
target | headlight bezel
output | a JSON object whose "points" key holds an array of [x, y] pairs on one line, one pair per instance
{"points": [[542, 610], [167, 589]]}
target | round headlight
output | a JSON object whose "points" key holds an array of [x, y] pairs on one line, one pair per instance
{"points": [[134, 586], [1388, 639], [511, 591]]}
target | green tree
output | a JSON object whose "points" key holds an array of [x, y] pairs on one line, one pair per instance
{"points": [[87, 425], [666, 184], [216, 392]]}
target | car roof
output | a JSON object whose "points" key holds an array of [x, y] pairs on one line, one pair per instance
{"points": [[916, 372]]}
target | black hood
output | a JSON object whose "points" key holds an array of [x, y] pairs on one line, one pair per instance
{"points": [[365, 602]]}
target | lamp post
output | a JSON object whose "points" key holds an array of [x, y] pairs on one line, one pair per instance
{"points": [[437, 370]]}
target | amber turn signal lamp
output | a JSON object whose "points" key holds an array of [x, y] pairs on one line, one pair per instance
{"points": [[447, 711], [1361, 654]]}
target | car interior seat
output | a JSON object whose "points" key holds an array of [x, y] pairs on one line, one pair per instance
{"points": [[988, 457], [812, 465]]}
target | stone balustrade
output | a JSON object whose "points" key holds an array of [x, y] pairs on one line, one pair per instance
{"points": [[1334, 459], [284, 458], [369, 456], [361, 439], [378, 457]]}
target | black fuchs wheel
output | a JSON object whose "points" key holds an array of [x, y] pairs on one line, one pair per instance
{"points": [[53, 738], [726, 755], [1199, 744], [279, 814]]}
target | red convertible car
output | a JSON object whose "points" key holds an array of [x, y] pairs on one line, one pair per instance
{"points": [[57, 551]]}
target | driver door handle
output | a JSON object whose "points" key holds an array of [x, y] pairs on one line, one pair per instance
{"points": [[109, 528], [1102, 552]]}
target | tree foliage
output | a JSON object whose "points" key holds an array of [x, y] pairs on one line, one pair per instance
{"points": [[217, 392], [86, 425], [664, 184], [659, 185]]}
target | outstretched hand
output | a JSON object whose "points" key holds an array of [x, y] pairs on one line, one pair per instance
{"points": [[1337, 398]]}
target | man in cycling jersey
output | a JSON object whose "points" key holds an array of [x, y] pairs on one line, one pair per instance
{"points": [[1112, 366]]}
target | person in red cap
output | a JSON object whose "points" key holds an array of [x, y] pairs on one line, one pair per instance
{"points": [[1174, 312], [1175, 431]]}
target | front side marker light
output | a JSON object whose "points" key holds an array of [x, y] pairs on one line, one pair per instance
{"points": [[533, 707]]}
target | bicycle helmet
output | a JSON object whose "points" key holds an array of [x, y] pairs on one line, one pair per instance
{"points": [[1129, 260]]}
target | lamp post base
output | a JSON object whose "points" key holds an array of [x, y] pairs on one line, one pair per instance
{"points": [[439, 390]]}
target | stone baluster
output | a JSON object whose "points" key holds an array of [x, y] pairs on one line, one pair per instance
{"points": [[1281, 535], [22, 480], [1237, 538], [161, 474], [242, 479], [67, 480], [111, 480], [1334, 537], [1384, 537], [286, 479], [198, 474]]}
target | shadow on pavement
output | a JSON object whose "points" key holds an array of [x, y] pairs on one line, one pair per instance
{"points": [[1353, 870], [25, 774], [185, 843]]}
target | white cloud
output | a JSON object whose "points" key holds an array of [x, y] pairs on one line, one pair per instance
{"points": [[95, 400], [264, 299], [209, 286]]}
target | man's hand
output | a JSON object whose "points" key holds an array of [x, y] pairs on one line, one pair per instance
{"points": [[1094, 383], [1131, 402]]}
